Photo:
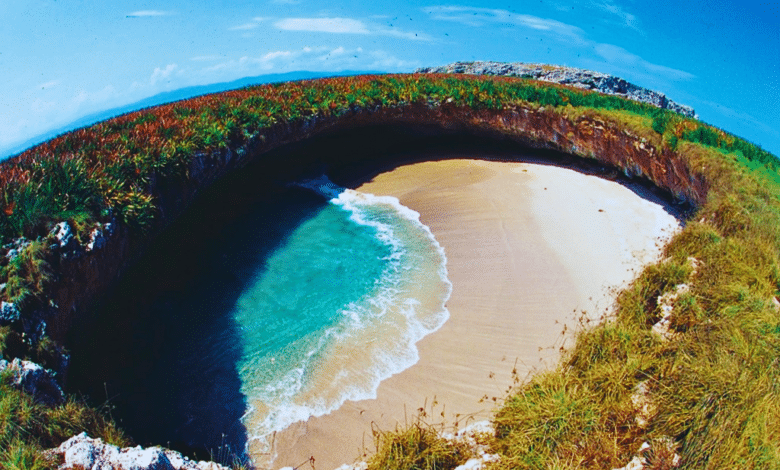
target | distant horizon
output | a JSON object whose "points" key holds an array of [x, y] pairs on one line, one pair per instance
{"points": [[157, 100], [191, 92], [67, 63]]}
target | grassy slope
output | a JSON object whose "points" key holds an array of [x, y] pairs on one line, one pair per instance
{"points": [[713, 388]]}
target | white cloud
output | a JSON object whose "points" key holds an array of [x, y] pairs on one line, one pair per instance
{"points": [[477, 17], [626, 60], [313, 58], [323, 25], [389, 63], [36, 112], [345, 26], [94, 97], [627, 19], [244, 27], [161, 74], [146, 13], [49, 84], [403, 34], [275, 55], [248, 26], [623, 62]]}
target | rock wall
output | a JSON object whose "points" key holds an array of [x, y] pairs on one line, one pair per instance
{"points": [[580, 78], [84, 274]]}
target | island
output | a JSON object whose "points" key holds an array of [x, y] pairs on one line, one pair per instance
{"points": [[683, 373]]}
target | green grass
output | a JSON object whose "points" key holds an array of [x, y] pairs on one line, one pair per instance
{"points": [[713, 390], [417, 446], [27, 428]]}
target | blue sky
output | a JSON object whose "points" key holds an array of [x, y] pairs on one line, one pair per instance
{"points": [[61, 60]]}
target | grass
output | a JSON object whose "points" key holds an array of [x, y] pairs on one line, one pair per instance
{"points": [[715, 389], [712, 393], [27, 428], [417, 446]]}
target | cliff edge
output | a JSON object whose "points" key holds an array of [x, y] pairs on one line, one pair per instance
{"points": [[580, 78]]}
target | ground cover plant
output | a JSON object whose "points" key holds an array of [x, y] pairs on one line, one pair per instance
{"points": [[706, 387]]}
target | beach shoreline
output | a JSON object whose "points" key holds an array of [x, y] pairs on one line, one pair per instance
{"points": [[531, 249]]}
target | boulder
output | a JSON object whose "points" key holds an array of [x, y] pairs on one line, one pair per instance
{"points": [[9, 313], [66, 241], [35, 380], [99, 236], [14, 248], [83, 452]]}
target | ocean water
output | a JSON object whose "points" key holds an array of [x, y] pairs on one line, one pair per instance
{"points": [[336, 309], [234, 326]]}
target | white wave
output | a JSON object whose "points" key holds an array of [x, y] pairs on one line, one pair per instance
{"points": [[381, 213]]}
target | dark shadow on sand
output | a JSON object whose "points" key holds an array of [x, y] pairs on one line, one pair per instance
{"points": [[357, 156], [150, 348]]}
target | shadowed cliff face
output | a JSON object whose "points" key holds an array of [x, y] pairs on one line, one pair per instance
{"points": [[150, 347]]}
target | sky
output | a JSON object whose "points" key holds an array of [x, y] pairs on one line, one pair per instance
{"points": [[61, 60]]}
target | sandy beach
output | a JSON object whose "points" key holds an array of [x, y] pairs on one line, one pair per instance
{"points": [[529, 247]]}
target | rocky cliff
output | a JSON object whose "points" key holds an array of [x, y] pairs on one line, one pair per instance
{"points": [[580, 78], [84, 272]]}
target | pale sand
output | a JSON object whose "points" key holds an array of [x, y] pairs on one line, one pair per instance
{"points": [[529, 247]]}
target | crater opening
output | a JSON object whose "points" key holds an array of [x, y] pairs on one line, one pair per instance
{"points": [[166, 348]]}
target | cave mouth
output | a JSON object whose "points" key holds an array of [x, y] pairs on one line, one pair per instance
{"points": [[146, 349]]}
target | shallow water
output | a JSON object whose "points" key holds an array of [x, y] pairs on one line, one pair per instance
{"points": [[287, 313]]}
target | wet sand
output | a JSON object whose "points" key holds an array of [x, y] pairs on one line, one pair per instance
{"points": [[530, 249]]}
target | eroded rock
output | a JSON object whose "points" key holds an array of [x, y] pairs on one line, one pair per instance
{"points": [[35, 380], [99, 236], [83, 452], [580, 78], [9, 313], [14, 248]]}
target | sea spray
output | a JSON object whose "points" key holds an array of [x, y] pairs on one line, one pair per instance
{"points": [[376, 282]]}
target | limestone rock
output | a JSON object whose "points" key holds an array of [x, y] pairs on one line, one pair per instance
{"points": [[64, 234], [14, 248], [35, 380], [9, 313], [580, 78], [99, 236], [83, 452]]}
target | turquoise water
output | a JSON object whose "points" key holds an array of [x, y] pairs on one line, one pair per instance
{"points": [[337, 308], [235, 327]]}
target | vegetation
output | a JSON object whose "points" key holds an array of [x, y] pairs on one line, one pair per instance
{"points": [[712, 393], [27, 428], [417, 446]]}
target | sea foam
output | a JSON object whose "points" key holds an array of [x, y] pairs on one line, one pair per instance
{"points": [[369, 339]]}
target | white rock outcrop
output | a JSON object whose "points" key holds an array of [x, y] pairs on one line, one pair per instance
{"points": [[82, 452], [35, 380], [580, 78]]}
